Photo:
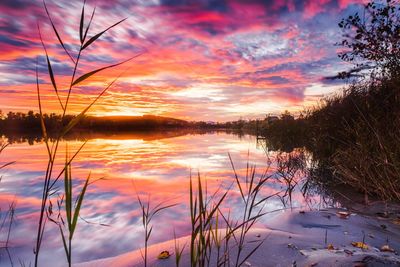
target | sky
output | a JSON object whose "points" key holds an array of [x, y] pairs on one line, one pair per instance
{"points": [[207, 60]]}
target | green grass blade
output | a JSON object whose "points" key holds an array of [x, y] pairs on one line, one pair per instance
{"points": [[94, 38], [78, 205], [67, 189]]}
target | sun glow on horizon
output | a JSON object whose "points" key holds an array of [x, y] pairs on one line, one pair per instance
{"points": [[209, 61]]}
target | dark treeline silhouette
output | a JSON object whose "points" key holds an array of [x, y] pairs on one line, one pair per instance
{"points": [[283, 132], [18, 123]]}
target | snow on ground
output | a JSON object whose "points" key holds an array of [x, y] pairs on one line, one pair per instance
{"points": [[296, 238]]}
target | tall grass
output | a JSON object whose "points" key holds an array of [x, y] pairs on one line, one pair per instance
{"points": [[356, 137], [148, 214], [72, 209], [250, 189], [202, 215], [291, 170], [7, 218], [216, 238], [178, 251], [52, 147]]}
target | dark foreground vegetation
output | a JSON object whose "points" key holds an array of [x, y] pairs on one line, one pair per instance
{"points": [[354, 136]]}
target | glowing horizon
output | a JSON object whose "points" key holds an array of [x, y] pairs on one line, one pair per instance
{"points": [[201, 60]]}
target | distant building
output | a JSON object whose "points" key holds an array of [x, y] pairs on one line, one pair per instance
{"points": [[271, 118]]}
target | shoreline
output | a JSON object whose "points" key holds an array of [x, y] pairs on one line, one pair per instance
{"points": [[295, 238]]}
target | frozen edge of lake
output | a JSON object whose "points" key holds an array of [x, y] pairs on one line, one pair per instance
{"points": [[294, 237]]}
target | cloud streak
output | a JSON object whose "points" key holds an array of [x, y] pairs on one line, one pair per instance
{"points": [[248, 53]]}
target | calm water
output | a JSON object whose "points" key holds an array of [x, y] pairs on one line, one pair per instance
{"points": [[149, 165]]}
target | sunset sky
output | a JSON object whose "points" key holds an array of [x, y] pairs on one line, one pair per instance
{"points": [[200, 60]]}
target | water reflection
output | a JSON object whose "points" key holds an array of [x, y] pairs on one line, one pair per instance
{"points": [[156, 164]]}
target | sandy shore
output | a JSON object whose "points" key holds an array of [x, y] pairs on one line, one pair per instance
{"points": [[295, 238]]}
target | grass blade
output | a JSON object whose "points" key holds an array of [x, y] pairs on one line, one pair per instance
{"points": [[42, 124], [67, 188], [237, 178], [78, 205], [87, 75], [50, 69], [82, 22], [94, 38], [7, 164], [90, 22], [56, 32]]}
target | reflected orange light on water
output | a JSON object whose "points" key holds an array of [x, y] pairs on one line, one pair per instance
{"points": [[144, 165]]}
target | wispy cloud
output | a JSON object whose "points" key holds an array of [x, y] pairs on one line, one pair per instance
{"points": [[202, 59]]}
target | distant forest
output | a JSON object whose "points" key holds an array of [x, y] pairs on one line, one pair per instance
{"points": [[29, 123]]}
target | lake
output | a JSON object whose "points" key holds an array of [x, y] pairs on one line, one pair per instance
{"points": [[155, 166]]}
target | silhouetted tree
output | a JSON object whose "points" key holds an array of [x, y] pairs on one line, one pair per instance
{"points": [[372, 39]]}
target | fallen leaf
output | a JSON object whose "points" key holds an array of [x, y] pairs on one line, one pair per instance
{"points": [[163, 255], [343, 214], [359, 245], [330, 247], [386, 248], [397, 221]]}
